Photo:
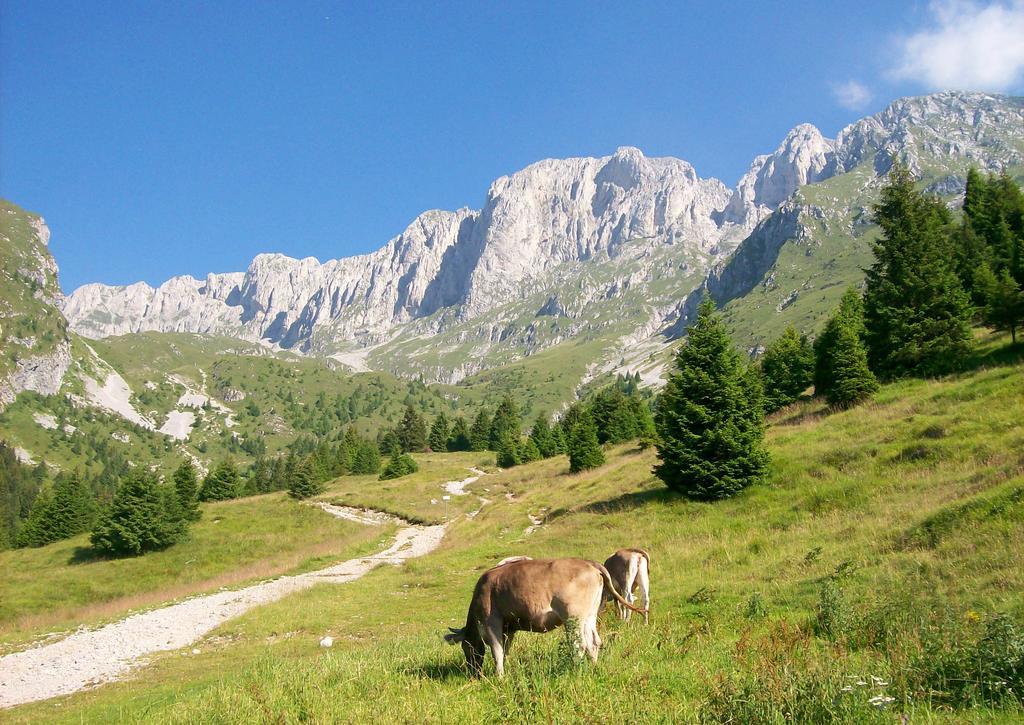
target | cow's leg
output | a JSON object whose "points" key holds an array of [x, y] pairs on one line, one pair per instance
{"points": [[645, 588], [493, 637], [588, 635], [627, 592]]}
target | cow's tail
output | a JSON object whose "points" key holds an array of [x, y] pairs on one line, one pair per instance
{"points": [[611, 588], [646, 556]]}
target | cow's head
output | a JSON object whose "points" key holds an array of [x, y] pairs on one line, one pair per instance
{"points": [[472, 647]]}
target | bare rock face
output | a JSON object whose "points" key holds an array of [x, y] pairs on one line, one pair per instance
{"points": [[802, 158], [550, 213]]}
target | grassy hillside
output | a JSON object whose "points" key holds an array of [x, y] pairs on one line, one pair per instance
{"points": [[884, 544]]}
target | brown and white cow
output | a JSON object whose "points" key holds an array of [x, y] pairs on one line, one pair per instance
{"points": [[630, 569], [532, 595]]}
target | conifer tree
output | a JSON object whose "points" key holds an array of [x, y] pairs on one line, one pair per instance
{"points": [[916, 312], [852, 379], [642, 416], [529, 453], [186, 488], [709, 417], [458, 437], [221, 483], [542, 438], [508, 451], [367, 459], [412, 431], [584, 448], [439, 433], [572, 415], [505, 423], [389, 441], [67, 509], [480, 432], [849, 312], [559, 444], [1004, 301], [304, 482], [788, 369], [141, 518], [35, 530]]}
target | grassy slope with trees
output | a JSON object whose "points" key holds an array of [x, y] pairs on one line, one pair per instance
{"points": [[883, 542]]}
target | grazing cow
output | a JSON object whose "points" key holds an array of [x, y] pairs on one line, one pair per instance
{"points": [[629, 569], [533, 595]]}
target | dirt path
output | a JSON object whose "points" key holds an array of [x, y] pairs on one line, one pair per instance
{"points": [[458, 488], [91, 657]]}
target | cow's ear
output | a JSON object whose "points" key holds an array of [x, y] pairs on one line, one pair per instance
{"points": [[455, 636]]}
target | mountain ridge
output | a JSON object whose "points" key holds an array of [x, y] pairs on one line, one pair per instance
{"points": [[470, 275]]}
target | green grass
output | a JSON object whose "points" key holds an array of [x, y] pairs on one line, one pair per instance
{"points": [[891, 519], [417, 497], [235, 542]]}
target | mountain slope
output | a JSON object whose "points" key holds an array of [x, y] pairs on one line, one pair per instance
{"points": [[33, 332]]}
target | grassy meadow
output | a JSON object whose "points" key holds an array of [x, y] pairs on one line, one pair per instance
{"points": [[880, 559], [61, 586]]}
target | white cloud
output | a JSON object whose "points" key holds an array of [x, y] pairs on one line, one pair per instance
{"points": [[852, 95], [967, 47]]}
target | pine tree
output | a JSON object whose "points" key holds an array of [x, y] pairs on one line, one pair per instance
{"points": [[412, 431], [852, 379], [367, 459], [508, 451], [529, 453], [140, 518], [439, 433], [584, 448], [480, 433], [35, 530], [849, 312], [916, 312], [458, 437], [67, 509], [389, 441], [304, 482], [642, 416], [186, 488], [542, 438], [221, 483], [1004, 301], [709, 417], [505, 423], [788, 369]]}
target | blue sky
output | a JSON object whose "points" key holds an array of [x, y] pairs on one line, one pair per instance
{"points": [[171, 138]]}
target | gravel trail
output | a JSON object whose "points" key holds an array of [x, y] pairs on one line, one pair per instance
{"points": [[91, 657]]}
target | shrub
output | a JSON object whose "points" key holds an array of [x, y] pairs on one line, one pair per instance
{"points": [[400, 464]]}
